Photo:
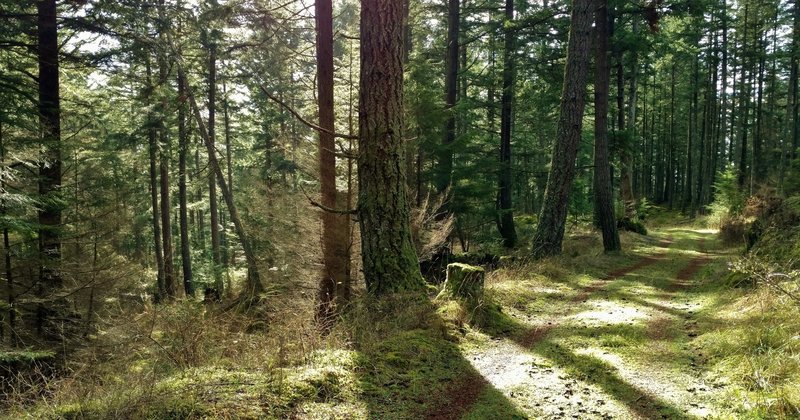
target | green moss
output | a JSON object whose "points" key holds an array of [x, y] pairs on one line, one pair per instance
{"points": [[464, 281], [26, 357], [407, 372], [490, 319]]}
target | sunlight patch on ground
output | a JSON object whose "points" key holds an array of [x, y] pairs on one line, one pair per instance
{"points": [[610, 312], [504, 365], [535, 385]]}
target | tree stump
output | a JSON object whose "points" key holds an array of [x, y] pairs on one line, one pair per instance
{"points": [[464, 280]]}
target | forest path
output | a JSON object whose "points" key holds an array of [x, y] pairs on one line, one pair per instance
{"points": [[618, 346]]}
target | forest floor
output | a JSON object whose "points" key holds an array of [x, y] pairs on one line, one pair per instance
{"points": [[618, 344], [654, 332]]}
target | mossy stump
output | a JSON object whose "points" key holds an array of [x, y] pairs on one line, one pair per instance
{"points": [[464, 281]]}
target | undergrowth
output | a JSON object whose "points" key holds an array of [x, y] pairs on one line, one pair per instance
{"points": [[755, 345], [753, 336]]}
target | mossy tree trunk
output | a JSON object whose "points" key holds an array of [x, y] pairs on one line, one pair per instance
{"points": [[550, 231], [390, 262]]}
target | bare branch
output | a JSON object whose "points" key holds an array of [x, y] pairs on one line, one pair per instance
{"points": [[303, 120]]}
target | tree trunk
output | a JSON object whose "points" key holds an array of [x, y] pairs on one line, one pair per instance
{"points": [[229, 255], [794, 86], [390, 262], [253, 287], [445, 166], [745, 107], [671, 140], [212, 176], [152, 137], [335, 227], [550, 231], [183, 140], [49, 214], [9, 272], [164, 143], [505, 208], [757, 168], [604, 208], [633, 97], [688, 203], [724, 92]]}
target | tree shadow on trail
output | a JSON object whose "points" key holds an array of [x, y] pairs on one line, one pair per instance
{"points": [[410, 367], [540, 340]]}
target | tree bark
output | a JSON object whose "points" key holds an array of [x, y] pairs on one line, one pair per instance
{"points": [[229, 256], [504, 204], [550, 231], [745, 106], [634, 181], [604, 208], [152, 137], [49, 214], [183, 145], [445, 166], [335, 227], [164, 143], [390, 262], [758, 172], [212, 176]]}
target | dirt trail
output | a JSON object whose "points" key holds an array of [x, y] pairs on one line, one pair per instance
{"points": [[521, 371]]}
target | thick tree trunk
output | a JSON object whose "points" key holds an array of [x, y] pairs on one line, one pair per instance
{"points": [[604, 208], [504, 204], [335, 227], [550, 231], [50, 171], [390, 262]]}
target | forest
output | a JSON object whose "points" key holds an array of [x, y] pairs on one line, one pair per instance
{"points": [[400, 209]]}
